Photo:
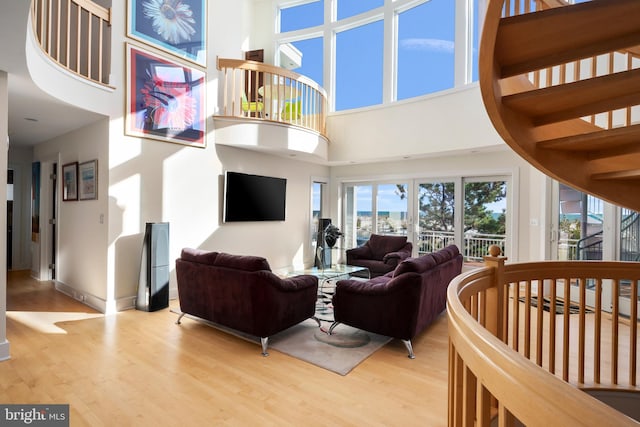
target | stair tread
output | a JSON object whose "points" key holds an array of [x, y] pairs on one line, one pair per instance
{"points": [[555, 36], [617, 175], [578, 99], [606, 139]]}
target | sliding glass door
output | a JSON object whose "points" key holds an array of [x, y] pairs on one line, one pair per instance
{"points": [[379, 208], [471, 212]]}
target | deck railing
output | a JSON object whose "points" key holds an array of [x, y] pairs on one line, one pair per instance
{"points": [[76, 34], [475, 245], [513, 359], [258, 91]]}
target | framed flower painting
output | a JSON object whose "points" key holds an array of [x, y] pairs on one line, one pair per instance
{"points": [[165, 99], [176, 26]]}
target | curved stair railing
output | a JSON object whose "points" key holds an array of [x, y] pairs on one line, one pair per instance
{"points": [[257, 91], [561, 84], [514, 361], [75, 34]]}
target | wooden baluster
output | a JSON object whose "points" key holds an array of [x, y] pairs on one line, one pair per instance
{"points": [[597, 330], [552, 327], [633, 333], [581, 329], [615, 319]]}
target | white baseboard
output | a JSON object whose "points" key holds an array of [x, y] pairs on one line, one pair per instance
{"points": [[100, 304]]}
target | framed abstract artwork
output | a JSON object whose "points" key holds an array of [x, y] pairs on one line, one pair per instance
{"points": [[165, 99], [176, 26], [88, 180], [70, 181]]}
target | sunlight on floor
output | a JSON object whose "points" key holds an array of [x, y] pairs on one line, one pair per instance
{"points": [[45, 321]]}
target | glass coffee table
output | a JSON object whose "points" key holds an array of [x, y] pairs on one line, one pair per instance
{"points": [[327, 279]]}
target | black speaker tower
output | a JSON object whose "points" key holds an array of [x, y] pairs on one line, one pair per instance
{"points": [[153, 288]]}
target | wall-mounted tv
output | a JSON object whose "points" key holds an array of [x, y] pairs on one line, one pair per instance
{"points": [[254, 197]]}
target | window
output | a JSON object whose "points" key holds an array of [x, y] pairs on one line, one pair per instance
{"points": [[318, 203], [375, 51], [359, 66], [307, 15], [311, 50], [470, 212], [475, 41], [426, 49], [436, 216], [348, 8]]}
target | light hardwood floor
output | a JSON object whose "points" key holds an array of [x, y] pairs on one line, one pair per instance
{"points": [[140, 369]]}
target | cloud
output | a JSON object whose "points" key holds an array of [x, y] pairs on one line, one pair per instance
{"points": [[431, 45]]}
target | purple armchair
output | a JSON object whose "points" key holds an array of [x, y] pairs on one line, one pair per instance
{"points": [[400, 304], [380, 254], [241, 293]]}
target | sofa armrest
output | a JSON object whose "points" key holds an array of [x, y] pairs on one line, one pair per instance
{"points": [[361, 252], [399, 255], [295, 283]]}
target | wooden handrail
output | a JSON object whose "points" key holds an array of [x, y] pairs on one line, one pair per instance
{"points": [[75, 34], [258, 91], [496, 333]]}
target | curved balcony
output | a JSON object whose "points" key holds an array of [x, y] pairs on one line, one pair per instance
{"points": [[75, 34], [513, 361], [271, 108]]}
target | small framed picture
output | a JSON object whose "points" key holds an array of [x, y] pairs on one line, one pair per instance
{"points": [[70, 181], [88, 176]]}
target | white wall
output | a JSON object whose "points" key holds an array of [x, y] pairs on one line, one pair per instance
{"points": [[82, 237], [446, 122]]}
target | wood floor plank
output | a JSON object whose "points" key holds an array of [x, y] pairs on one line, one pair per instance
{"points": [[138, 368]]}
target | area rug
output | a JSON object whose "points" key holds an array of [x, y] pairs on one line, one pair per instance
{"points": [[339, 352]]}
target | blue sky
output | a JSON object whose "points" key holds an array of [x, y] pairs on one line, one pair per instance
{"points": [[425, 50]]}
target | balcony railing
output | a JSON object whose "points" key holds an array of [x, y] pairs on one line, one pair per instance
{"points": [[520, 353], [476, 245], [258, 91], [76, 34]]}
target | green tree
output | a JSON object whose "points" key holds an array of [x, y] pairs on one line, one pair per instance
{"points": [[436, 206], [477, 216]]}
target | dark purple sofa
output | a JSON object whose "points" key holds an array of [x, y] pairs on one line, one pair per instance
{"points": [[402, 303], [242, 293], [380, 254]]}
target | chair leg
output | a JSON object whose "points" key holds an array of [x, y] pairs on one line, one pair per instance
{"points": [[407, 344], [317, 321], [179, 318], [332, 327], [264, 342]]}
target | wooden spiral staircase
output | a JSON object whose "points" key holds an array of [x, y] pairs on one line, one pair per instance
{"points": [[561, 84]]}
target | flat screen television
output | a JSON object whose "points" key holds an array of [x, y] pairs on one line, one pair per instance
{"points": [[254, 197]]}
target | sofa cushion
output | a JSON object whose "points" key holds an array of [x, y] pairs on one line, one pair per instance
{"points": [[241, 262], [382, 245], [198, 255], [415, 265]]}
